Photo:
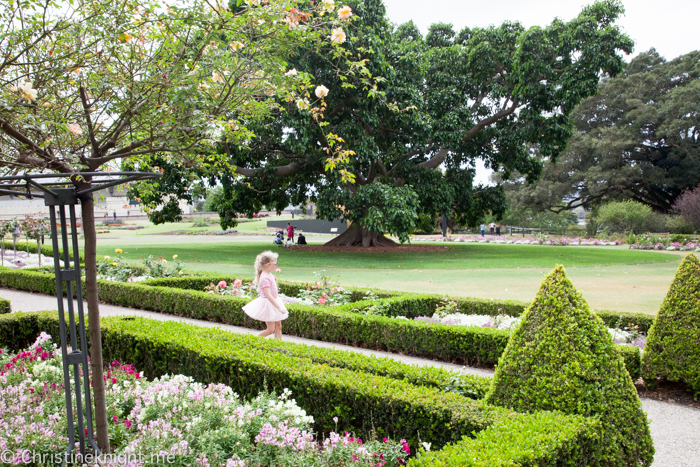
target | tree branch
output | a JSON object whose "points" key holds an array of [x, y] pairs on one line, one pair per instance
{"points": [[436, 160], [492, 119]]}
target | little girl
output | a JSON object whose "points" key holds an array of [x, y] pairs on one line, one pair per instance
{"points": [[268, 306]]}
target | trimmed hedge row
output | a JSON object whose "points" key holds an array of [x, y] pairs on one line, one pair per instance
{"points": [[365, 403], [413, 305], [528, 440], [338, 324], [285, 287]]}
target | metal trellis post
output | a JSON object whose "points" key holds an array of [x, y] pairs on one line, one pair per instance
{"points": [[67, 198]]}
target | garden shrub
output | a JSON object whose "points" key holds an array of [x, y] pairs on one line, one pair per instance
{"points": [[561, 357], [338, 324], [364, 402], [672, 350], [527, 440], [5, 306], [622, 320]]}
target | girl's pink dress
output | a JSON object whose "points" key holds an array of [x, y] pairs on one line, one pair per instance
{"points": [[261, 308]]}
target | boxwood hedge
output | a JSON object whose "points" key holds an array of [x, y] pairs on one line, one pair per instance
{"points": [[5, 306], [338, 324], [364, 402], [561, 357], [528, 440], [673, 347]]}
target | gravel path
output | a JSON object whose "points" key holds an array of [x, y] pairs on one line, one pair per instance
{"points": [[674, 428]]}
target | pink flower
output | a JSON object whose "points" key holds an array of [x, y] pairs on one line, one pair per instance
{"points": [[127, 424], [236, 283], [221, 284], [322, 300], [278, 270]]}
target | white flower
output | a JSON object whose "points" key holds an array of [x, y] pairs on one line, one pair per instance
{"points": [[345, 13], [321, 91], [291, 72], [302, 104], [328, 6], [337, 36], [217, 77], [74, 128], [27, 91]]}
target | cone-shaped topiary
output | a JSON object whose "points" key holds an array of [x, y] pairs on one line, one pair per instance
{"points": [[562, 357], [672, 350]]}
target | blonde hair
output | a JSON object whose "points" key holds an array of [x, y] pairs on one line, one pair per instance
{"points": [[262, 260]]}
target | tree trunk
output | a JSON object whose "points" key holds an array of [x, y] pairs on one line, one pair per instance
{"points": [[356, 236], [96, 365]]}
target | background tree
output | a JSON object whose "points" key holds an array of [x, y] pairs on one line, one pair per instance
{"points": [[444, 101], [688, 207], [637, 139], [85, 85]]}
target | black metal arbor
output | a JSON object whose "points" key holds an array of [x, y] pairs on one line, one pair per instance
{"points": [[57, 192]]}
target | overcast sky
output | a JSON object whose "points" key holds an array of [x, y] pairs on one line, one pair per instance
{"points": [[670, 26]]}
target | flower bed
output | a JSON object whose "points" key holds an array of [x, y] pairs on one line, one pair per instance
{"points": [[171, 419], [538, 240], [20, 259], [361, 401]]}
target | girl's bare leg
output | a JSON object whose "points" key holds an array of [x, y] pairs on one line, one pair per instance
{"points": [[270, 329], [278, 329]]}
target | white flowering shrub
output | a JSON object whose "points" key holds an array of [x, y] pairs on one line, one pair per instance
{"points": [[172, 419]]}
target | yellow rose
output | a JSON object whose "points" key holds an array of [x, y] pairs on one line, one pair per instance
{"points": [[165, 261], [174, 256], [179, 272], [107, 257], [118, 250], [115, 264]]}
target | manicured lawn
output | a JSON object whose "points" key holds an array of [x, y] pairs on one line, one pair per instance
{"points": [[454, 257]]}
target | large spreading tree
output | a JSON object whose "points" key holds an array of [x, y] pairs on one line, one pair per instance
{"points": [[444, 101], [637, 139], [86, 84]]}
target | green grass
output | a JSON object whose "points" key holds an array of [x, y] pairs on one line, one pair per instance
{"points": [[453, 257]]}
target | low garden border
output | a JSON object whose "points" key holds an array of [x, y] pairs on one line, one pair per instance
{"points": [[364, 402], [338, 324]]}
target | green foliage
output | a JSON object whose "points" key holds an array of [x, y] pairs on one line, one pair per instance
{"points": [[114, 268], [577, 371], [5, 306], [526, 440], [325, 291], [635, 139], [624, 216], [365, 402], [678, 225], [156, 267], [672, 350], [442, 102], [620, 320], [542, 220], [344, 324]]}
